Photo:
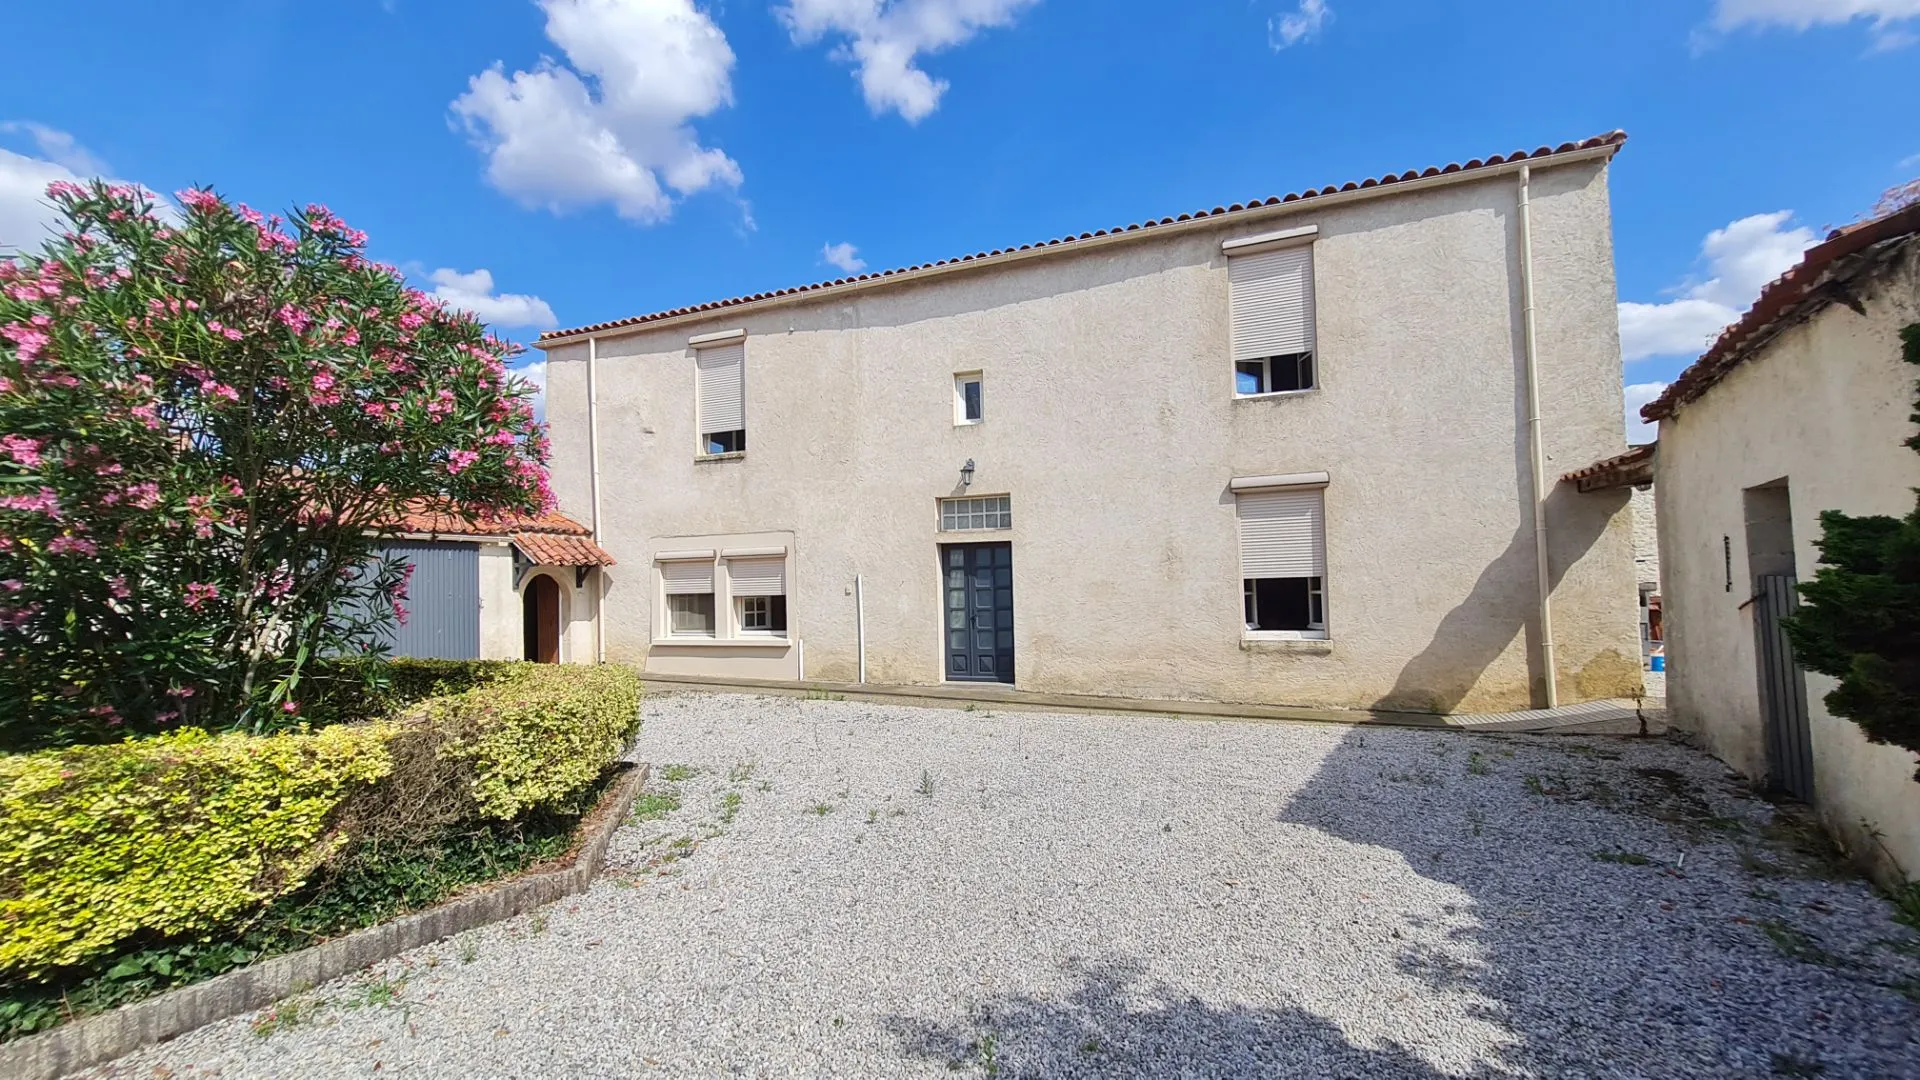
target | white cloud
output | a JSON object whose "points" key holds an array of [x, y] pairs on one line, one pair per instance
{"points": [[1637, 397], [844, 256], [474, 292], [1800, 15], [885, 37], [1742, 258], [1301, 24], [27, 216], [611, 124]]}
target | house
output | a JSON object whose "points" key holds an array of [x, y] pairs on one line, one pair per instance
{"points": [[1290, 451], [510, 589], [1801, 406]]}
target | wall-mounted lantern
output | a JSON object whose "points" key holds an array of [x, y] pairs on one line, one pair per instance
{"points": [[966, 474]]}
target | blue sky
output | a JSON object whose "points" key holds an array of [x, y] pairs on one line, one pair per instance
{"points": [[568, 161]]}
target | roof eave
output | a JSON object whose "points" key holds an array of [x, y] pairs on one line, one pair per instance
{"points": [[803, 295]]}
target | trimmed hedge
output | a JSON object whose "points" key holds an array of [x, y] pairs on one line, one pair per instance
{"points": [[188, 835], [168, 835]]}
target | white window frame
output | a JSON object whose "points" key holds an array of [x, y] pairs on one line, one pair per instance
{"points": [[729, 340], [675, 632], [969, 509], [741, 606], [702, 558], [1316, 631], [960, 382]]}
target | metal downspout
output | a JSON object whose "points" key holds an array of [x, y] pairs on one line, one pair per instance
{"points": [[593, 472], [1537, 453]]}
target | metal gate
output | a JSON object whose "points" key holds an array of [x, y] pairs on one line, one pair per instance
{"points": [[978, 580], [443, 601], [1783, 687]]}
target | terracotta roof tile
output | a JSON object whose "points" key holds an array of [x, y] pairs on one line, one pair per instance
{"points": [[548, 549], [1795, 294], [1613, 139], [1631, 468], [426, 521]]}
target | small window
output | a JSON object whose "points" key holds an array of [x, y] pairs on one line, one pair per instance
{"points": [[968, 515], [691, 614], [720, 392], [1271, 309], [1284, 604], [726, 442], [967, 404], [763, 614], [1274, 374]]}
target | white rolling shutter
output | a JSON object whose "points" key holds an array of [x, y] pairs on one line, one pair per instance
{"points": [[757, 577], [1271, 297], [722, 389], [687, 577], [1282, 534]]}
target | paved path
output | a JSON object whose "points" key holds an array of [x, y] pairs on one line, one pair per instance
{"points": [[848, 889]]}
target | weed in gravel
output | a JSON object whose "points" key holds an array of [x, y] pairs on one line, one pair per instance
{"points": [[741, 773], [287, 1015], [537, 923], [1797, 944], [1759, 865], [653, 805], [1624, 858], [730, 806], [1422, 777], [1091, 1046], [1810, 852], [987, 1051], [1475, 820], [1906, 904], [376, 992], [678, 774], [1758, 893], [898, 811], [684, 845], [763, 786], [926, 784], [873, 817], [1794, 1065], [467, 948], [971, 707], [820, 809], [1535, 785], [1477, 764]]}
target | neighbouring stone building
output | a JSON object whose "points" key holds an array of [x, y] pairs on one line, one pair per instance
{"points": [[1802, 406], [1300, 450]]}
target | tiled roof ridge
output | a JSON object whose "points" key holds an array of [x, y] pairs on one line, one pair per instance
{"points": [[1614, 139], [1781, 297], [551, 523]]}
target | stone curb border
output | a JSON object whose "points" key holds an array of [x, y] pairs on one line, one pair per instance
{"points": [[109, 1035]]}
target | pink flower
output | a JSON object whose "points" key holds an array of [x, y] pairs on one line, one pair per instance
{"points": [[145, 496], [199, 593], [12, 585], [24, 451], [459, 460], [198, 199], [289, 707], [27, 339], [45, 501], [67, 543], [117, 587], [400, 612], [65, 189], [293, 318], [166, 717]]}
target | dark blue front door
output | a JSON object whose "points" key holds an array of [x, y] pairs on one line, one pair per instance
{"points": [[979, 610]]}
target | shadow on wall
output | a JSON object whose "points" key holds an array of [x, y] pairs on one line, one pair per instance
{"points": [[1502, 603], [1100, 1030]]}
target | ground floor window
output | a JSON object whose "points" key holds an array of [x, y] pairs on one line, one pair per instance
{"points": [[763, 614], [691, 613], [1284, 603]]}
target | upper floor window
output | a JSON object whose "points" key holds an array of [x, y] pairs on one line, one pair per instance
{"points": [[967, 515], [1270, 295], [968, 408], [721, 393]]}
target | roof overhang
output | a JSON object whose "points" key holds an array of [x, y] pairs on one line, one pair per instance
{"points": [[1631, 469]]}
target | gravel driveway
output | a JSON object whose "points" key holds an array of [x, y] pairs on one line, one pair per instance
{"points": [[861, 890]]}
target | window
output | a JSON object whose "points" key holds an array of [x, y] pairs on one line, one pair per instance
{"points": [[688, 584], [1270, 297], [1283, 562], [967, 407], [762, 614], [721, 389], [967, 515], [691, 614], [1273, 375], [759, 590]]}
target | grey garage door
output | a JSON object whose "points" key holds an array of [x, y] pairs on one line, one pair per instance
{"points": [[443, 601]]}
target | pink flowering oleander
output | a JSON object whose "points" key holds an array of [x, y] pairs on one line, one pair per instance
{"points": [[24, 451], [198, 593]]}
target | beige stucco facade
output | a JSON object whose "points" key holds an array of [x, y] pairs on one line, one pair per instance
{"points": [[1823, 407], [1111, 420]]}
